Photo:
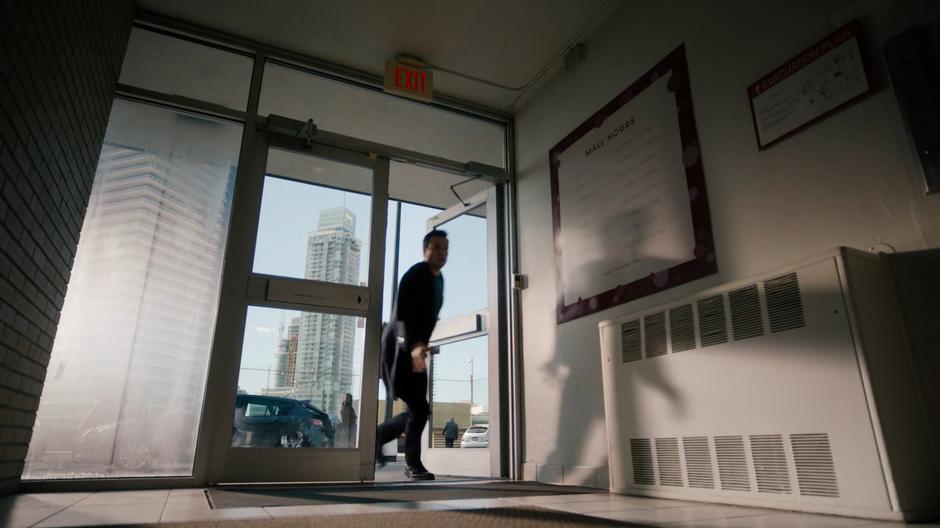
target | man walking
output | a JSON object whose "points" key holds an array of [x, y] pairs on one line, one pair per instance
{"points": [[450, 433], [405, 351]]}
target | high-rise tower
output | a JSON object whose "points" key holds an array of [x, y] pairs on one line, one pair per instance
{"points": [[325, 341]]}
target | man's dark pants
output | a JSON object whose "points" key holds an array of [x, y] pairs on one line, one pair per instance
{"points": [[413, 391]]}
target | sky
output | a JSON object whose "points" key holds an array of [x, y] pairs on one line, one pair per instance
{"points": [[290, 210]]}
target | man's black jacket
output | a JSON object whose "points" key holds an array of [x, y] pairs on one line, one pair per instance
{"points": [[413, 321]]}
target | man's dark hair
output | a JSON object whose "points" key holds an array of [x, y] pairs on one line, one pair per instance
{"points": [[434, 233]]}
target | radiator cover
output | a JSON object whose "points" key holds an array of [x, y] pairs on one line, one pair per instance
{"points": [[793, 389]]}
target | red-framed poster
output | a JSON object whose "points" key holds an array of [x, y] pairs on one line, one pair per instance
{"points": [[629, 207], [819, 81]]}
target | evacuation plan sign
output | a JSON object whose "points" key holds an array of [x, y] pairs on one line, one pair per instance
{"points": [[819, 81]]}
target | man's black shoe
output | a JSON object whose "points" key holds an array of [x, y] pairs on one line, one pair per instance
{"points": [[379, 457], [418, 473]]}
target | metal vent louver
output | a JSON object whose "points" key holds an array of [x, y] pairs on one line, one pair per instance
{"points": [[655, 327], [784, 303], [642, 453], [667, 459], [746, 318], [770, 464], [682, 328], [698, 462], [815, 470], [732, 463], [630, 347], [711, 321]]}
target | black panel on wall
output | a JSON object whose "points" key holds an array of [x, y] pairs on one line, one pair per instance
{"points": [[61, 61], [913, 62]]}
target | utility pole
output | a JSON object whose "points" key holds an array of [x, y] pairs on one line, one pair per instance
{"points": [[471, 384]]}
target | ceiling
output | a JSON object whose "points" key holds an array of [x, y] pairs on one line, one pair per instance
{"points": [[508, 42]]}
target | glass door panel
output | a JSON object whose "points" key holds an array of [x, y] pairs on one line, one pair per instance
{"points": [[314, 220], [300, 314], [466, 264], [464, 344], [460, 392], [459, 369], [297, 387]]}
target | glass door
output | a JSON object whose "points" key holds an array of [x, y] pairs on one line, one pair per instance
{"points": [[464, 368], [299, 323]]}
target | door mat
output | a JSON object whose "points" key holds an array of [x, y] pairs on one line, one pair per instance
{"points": [[372, 493], [521, 517]]}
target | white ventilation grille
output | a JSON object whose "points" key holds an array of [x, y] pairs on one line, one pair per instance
{"points": [[746, 317], [642, 454], [682, 328], [815, 470], [667, 459], [698, 462], [647, 337], [630, 345], [784, 303], [711, 318], [770, 464], [732, 463], [655, 328], [812, 457]]}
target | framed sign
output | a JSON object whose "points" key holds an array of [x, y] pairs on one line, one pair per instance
{"points": [[822, 79], [629, 207]]}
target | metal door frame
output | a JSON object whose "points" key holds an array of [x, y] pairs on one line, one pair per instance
{"points": [[493, 199], [242, 288]]}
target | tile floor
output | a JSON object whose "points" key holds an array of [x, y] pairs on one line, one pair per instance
{"points": [[121, 507]]}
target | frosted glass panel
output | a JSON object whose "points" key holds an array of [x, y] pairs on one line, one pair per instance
{"points": [[179, 67], [125, 383], [374, 116]]}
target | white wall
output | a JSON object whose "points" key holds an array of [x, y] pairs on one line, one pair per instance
{"points": [[851, 180]]}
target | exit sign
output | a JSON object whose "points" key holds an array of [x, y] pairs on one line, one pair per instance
{"points": [[408, 80]]}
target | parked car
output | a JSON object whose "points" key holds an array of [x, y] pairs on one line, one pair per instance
{"points": [[476, 436], [269, 421]]}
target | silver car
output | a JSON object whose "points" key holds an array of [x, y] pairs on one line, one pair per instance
{"points": [[476, 436]]}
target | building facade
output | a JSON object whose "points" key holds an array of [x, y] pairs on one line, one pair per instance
{"points": [[325, 343]]}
